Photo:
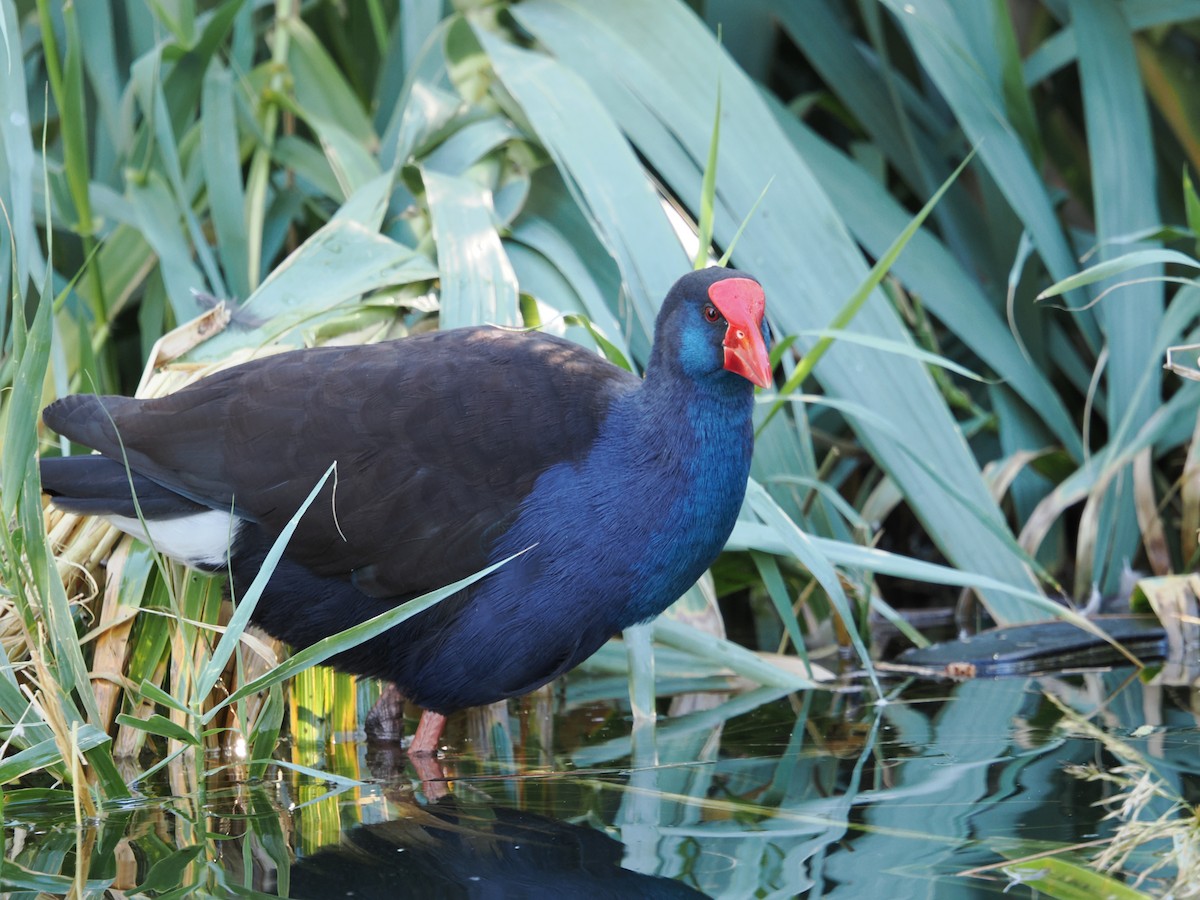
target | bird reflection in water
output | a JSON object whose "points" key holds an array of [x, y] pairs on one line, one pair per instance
{"points": [[453, 848]]}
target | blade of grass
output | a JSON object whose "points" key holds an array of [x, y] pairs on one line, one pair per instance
{"points": [[344, 259], [221, 654], [478, 283], [158, 218], [875, 91], [161, 726], [901, 348], [718, 651], [46, 754], [149, 89], [772, 579], [66, 83], [708, 190], [1116, 266], [602, 169], [976, 99], [319, 85], [802, 548], [17, 231], [31, 350], [856, 300], [1061, 48], [258, 179], [223, 176], [733, 241], [351, 637], [948, 288]]}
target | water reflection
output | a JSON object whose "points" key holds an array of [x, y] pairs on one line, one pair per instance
{"points": [[753, 794], [455, 849]]}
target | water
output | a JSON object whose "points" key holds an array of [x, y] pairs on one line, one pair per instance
{"points": [[746, 795]]}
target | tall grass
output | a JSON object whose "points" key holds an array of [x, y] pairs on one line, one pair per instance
{"points": [[357, 171]]}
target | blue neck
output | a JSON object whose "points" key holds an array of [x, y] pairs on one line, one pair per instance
{"points": [[643, 514], [700, 434]]}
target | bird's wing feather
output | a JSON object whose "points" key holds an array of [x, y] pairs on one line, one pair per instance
{"points": [[437, 439]]}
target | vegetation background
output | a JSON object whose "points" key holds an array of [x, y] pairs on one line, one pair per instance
{"points": [[356, 171]]}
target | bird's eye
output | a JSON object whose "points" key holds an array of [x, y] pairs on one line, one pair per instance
{"points": [[710, 313]]}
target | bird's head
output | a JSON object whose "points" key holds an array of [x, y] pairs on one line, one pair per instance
{"points": [[712, 324]]}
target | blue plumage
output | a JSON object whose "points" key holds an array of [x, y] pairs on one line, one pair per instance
{"points": [[456, 450], [612, 540]]}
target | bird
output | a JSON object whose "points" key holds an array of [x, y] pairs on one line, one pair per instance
{"points": [[454, 449]]}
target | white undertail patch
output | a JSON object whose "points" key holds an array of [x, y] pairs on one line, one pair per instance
{"points": [[200, 539]]}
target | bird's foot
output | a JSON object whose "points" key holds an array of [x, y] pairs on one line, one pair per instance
{"points": [[434, 782], [385, 721]]}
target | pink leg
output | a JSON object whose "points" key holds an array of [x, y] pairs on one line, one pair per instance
{"points": [[429, 732], [433, 778]]}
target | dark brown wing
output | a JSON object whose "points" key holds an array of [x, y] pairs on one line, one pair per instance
{"points": [[437, 439]]}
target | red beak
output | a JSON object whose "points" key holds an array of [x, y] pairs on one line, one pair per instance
{"points": [[742, 303]]}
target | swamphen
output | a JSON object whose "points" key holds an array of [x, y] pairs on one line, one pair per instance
{"points": [[454, 449]]}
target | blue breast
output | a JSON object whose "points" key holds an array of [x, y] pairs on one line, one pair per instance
{"points": [[609, 541]]}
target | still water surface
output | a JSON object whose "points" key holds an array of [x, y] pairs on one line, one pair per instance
{"points": [[831, 795]]}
